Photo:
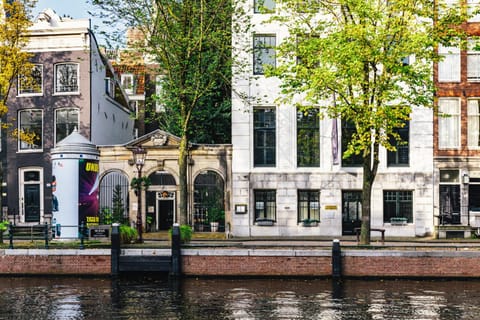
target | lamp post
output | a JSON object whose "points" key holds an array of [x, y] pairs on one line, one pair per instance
{"points": [[139, 155]]}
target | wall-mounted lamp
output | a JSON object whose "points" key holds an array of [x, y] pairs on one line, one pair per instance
{"points": [[465, 178]]}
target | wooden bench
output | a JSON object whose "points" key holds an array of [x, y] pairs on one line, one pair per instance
{"points": [[31, 233], [357, 232]]}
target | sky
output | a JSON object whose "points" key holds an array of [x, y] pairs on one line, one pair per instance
{"points": [[77, 9]]}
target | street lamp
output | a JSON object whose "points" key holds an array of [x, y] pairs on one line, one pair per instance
{"points": [[139, 155]]}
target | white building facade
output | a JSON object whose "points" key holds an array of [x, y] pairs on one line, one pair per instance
{"points": [[288, 175]]}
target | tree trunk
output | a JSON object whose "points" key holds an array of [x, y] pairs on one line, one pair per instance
{"points": [[182, 167]]}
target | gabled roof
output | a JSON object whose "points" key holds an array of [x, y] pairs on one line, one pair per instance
{"points": [[155, 139]]}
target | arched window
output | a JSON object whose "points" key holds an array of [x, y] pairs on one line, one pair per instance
{"points": [[114, 198], [208, 195]]}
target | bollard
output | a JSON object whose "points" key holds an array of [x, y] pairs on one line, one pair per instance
{"points": [[336, 259], [176, 253], [82, 235], [115, 253], [46, 235], [10, 235]]}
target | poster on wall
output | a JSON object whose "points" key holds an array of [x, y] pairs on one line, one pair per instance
{"points": [[88, 192]]}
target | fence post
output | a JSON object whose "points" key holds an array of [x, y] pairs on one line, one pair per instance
{"points": [[45, 233], [336, 259], [82, 235], [115, 251], [10, 235], [176, 252]]}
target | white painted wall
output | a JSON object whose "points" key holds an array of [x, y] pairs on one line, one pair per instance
{"points": [[331, 179]]}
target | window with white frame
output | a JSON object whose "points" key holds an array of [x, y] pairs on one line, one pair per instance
{"points": [[30, 123], [66, 120], [110, 87], [473, 12], [263, 52], [448, 123], [473, 111], [449, 64], [473, 61], [308, 138], [66, 77], [32, 84], [127, 82], [264, 6]]}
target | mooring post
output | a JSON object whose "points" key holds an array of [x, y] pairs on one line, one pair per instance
{"points": [[176, 254], [115, 253], [336, 259]]}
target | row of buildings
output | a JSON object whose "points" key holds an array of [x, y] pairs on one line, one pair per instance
{"points": [[268, 182]]}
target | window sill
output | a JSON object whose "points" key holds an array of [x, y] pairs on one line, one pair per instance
{"points": [[30, 151], [26, 95], [77, 93]]}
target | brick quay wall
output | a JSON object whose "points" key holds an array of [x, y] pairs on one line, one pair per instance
{"points": [[295, 262]]}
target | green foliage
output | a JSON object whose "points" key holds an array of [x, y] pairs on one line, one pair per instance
{"points": [[141, 183], [185, 233], [116, 213], [128, 234], [348, 59], [215, 214], [4, 225]]}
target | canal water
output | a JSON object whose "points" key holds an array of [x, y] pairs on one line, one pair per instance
{"points": [[146, 297]]}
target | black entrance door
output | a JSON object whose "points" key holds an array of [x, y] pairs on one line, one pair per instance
{"points": [[351, 211], [165, 214], [32, 202]]}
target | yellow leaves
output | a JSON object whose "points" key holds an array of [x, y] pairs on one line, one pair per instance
{"points": [[26, 137]]}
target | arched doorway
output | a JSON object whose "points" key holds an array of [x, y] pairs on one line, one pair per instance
{"points": [[208, 194], [160, 201], [114, 199]]}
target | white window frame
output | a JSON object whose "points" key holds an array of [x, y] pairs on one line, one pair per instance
{"points": [[19, 142], [449, 118], [473, 62], [449, 64], [126, 78], [23, 94], [473, 123], [56, 117], [56, 91]]}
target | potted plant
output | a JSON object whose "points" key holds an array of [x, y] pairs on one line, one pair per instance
{"points": [[215, 215], [310, 222]]}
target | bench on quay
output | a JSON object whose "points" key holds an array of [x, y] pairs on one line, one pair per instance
{"points": [[382, 231], [30, 233]]}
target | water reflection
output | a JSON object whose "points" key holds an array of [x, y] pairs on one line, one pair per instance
{"points": [[159, 298]]}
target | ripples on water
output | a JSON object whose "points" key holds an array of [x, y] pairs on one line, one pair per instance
{"points": [[158, 298]]}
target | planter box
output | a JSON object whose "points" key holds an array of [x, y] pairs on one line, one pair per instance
{"points": [[310, 223], [265, 222], [398, 221]]}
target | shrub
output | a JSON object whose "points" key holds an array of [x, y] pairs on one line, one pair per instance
{"points": [[185, 233], [127, 234]]}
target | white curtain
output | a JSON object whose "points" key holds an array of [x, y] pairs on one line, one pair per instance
{"points": [[449, 123], [449, 65], [473, 122]]}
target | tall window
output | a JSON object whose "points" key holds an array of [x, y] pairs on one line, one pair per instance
{"points": [[449, 196], [449, 64], [472, 10], [308, 205], [473, 62], [473, 109], [263, 52], [348, 130], [264, 152], [31, 122], [66, 77], [401, 156], [265, 205], [32, 84], [308, 138], [127, 83], [264, 6], [66, 120], [397, 204], [448, 123]]}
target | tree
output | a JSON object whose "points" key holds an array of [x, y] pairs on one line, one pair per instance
{"points": [[191, 43], [367, 62]]}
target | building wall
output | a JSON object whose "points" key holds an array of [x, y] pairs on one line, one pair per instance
{"points": [[251, 91]]}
